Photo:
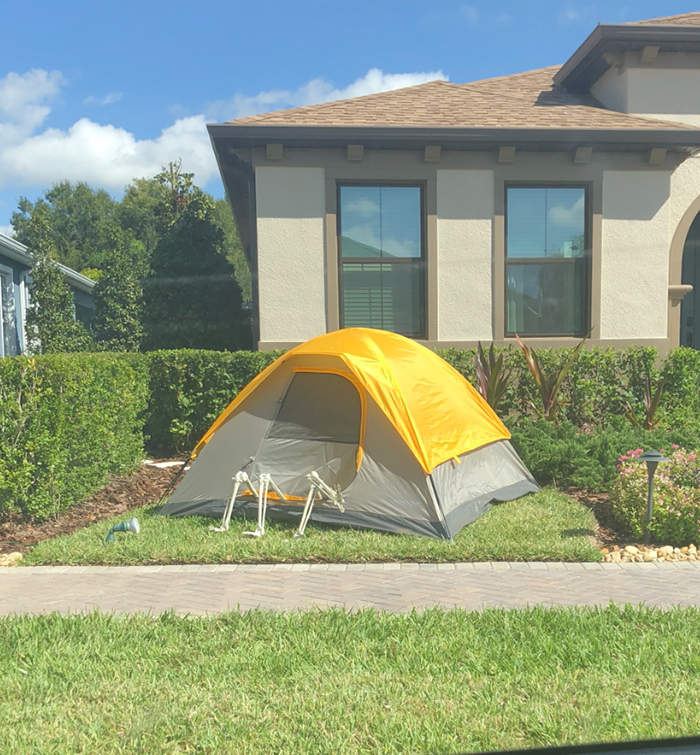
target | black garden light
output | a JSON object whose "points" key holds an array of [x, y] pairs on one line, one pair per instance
{"points": [[652, 460]]}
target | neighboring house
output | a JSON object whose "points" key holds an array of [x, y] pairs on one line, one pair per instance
{"points": [[15, 277], [553, 203]]}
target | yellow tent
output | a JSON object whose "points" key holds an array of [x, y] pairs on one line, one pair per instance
{"points": [[382, 419]]}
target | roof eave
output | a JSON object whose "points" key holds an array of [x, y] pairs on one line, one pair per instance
{"points": [[20, 253], [407, 137], [586, 64]]}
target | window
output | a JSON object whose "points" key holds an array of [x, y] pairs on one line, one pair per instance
{"points": [[382, 258], [547, 260], [9, 340]]}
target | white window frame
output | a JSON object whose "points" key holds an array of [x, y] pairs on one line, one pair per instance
{"points": [[9, 271]]}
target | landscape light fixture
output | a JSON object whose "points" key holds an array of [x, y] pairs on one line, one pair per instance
{"points": [[131, 526], [652, 460]]}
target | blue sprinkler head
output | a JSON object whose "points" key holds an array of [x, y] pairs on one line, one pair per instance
{"points": [[131, 526]]}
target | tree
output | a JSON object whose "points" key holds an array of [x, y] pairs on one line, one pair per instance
{"points": [[232, 246], [192, 299], [119, 300], [50, 323], [179, 190], [141, 211], [79, 222]]}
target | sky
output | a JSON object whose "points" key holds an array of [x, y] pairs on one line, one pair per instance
{"points": [[106, 92]]}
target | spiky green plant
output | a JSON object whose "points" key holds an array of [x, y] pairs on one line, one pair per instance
{"points": [[549, 385], [652, 402], [492, 376]]}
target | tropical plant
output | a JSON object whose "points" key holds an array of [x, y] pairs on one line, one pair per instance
{"points": [[548, 385], [492, 376], [652, 402]]}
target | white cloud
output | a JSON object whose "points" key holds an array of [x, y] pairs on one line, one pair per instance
{"points": [[572, 14], [316, 91], [24, 102], [7, 230], [101, 154], [108, 99], [363, 206], [105, 155], [470, 13], [566, 216]]}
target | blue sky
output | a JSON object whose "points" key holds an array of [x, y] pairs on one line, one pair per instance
{"points": [[106, 92]]}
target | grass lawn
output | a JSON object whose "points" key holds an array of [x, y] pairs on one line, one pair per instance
{"points": [[335, 682], [544, 526]]}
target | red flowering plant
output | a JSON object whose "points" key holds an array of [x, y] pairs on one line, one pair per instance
{"points": [[676, 515]]}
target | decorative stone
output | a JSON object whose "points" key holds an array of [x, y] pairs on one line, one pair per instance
{"points": [[665, 550], [10, 559], [632, 549], [650, 556]]}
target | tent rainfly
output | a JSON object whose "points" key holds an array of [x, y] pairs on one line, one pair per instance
{"points": [[359, 427]]}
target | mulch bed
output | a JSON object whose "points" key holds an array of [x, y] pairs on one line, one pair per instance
{"points": [[145, 487], [599, 504]]}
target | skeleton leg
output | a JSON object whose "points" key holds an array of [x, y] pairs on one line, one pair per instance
{"points": [[262, 506], [308, 506], [239, 478]]}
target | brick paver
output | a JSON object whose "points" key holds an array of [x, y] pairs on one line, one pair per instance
{"points": [[392, 587]]}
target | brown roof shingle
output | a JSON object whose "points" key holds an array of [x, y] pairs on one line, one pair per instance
{"points": [[682, 19], [522, 100]]}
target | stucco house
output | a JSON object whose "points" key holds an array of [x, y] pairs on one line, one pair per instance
{"points": [[16, 264], [554, 203]]}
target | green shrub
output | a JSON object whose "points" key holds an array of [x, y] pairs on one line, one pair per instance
{"points": [[599, 383], [66, 422], [681, 371], [188, 390], [565, 455], [676, 513]]}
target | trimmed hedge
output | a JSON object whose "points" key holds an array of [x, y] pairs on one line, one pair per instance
{"points": [[67, 421], [189, 388]]}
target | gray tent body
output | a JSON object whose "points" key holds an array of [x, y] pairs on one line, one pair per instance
{"points": [[300, 420]]}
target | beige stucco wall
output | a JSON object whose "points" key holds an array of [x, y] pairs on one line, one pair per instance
{"points": [[634, 254], [291, 277], [666, 89], [465, 209], [636, 209], [611, 89]]}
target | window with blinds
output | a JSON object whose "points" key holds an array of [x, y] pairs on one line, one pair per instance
{"points": [[547, 260], [382, 257]]}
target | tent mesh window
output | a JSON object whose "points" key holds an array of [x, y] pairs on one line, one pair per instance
{"points": [[321, 407], [316, 428]]}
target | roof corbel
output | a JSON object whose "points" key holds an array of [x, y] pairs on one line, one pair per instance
{"points": [[431, 154], [657, 156], [355, 152], [582, 155], [274, 151], [506, 154], [649, 54]]}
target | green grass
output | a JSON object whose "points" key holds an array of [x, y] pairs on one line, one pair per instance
{"points": [[544, 526], [328, 682]]}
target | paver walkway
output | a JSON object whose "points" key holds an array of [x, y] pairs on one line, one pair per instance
{"points": [[391, 587]]}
